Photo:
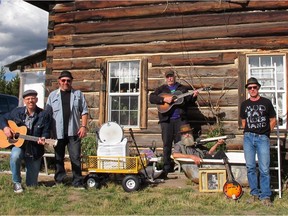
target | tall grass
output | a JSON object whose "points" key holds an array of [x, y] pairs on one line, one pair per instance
{"points": [[152, 200]]}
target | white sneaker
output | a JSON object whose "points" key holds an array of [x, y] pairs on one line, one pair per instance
{"points": [[18, 188]]}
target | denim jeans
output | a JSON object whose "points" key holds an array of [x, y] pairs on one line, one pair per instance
{"points": [[32, 167], [260, 145], [74, 148]]}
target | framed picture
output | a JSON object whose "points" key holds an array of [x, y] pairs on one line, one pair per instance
{"points": [[211, 180]]}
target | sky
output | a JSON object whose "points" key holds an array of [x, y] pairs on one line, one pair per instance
{"points": [[23, 31]]}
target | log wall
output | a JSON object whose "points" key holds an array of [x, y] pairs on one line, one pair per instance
{"points": [[202, 41]]}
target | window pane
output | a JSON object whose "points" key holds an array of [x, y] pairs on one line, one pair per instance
{"points": [[265, 61], [115, 103], [254, 61], [115, 116], [124, 92]]}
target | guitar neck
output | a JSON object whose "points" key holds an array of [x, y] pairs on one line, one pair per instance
{"points": [[28, 137], [230, 178], [187, 93]]}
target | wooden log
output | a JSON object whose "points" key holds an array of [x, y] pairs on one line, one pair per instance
{"points": [[92, 99], [193, 59], [88, 86], [151, 10], [74, 64], [241, 30], [78, 75], [227, 113], [170, 22], [226, 98], [82, 5], [275, 42], [195, 71], [199, 82]]}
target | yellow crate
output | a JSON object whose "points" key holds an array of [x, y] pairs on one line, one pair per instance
{"points": [[211, 180], [115, 164]]}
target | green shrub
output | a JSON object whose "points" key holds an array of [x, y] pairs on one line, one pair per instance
{"points": [[89, 145]]}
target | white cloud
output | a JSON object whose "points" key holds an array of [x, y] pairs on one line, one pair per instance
{"points": [[23, 30]]}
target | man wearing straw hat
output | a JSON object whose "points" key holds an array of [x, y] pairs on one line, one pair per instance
{"points": [[186, 148]]}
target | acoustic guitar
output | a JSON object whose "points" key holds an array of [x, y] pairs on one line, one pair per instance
{"points": [[20, 136], [232, 189], [178, 98]]}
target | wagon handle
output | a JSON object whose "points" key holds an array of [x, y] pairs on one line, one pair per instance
{"points": [[142, 163]]}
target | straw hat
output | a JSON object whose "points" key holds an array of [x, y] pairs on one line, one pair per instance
{"points": [[185, 128]]}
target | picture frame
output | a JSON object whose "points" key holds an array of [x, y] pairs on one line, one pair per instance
{"points": [[211, 180]]}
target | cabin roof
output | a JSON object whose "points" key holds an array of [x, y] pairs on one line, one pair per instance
{"points": [[39, 56], [44, 5]]}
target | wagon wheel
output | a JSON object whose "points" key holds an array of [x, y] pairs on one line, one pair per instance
{"points": [[93, 181], [130, 183]]}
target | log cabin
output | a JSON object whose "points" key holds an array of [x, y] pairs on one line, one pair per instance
{"points": [[118, 52]]}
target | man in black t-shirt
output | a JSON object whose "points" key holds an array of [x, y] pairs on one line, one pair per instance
{"points": [[258, 120]]}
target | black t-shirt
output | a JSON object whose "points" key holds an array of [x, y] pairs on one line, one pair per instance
{"points": [[257, 115], [65, 97]]}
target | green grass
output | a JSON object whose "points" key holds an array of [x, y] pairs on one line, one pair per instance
{"points": [[64, 200]]}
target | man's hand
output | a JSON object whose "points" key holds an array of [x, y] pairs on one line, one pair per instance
{"points": [[197, 160], [220, 142], [168, 99], [82, 132], [195, 93], [41, 141], [8, 132]]}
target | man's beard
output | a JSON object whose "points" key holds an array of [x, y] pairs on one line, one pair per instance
{"points": [[188, 141]]}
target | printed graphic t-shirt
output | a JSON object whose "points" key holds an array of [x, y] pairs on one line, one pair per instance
{"points": [[257, 115]]}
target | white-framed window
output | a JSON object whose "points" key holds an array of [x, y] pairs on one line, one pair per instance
{"points": [[124, 92], [270, 71]]}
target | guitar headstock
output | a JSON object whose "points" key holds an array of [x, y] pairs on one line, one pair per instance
{"points": [[208, 88]]}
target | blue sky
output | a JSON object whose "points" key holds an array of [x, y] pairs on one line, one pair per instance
{"points": [[23, 31]]}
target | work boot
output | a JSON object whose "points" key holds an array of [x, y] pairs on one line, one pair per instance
{"points": [[252, 199], [267, 202]]}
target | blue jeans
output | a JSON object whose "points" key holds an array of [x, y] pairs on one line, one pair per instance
{"points": [[260, 145], [32, 167]]}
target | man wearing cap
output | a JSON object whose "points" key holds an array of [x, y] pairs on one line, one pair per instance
{"points": [[68, 107], [186, 148], [258, 120], [171, 120], [37, 122]]}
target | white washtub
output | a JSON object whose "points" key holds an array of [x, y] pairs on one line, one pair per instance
{"points": [[236, 160]]}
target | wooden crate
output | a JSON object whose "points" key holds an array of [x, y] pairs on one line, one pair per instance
{"points": [[211, 180]]}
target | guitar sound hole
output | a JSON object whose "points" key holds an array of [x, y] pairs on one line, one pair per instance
{"points": [[10, 140], [16, 136]]}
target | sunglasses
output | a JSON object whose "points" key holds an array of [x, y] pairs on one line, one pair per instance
{"points": [[252, 87], [65, 80]]}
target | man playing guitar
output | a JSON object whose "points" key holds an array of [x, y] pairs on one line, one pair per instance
{"points": [[37, 122], [171, 120]]}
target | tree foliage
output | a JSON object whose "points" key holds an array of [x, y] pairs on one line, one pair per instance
{"points": [[9, 87]]}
